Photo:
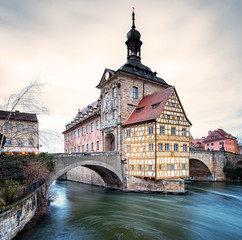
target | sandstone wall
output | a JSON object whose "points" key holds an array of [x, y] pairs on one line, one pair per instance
{"points": [[16, 217], [175, 186], [84, 175]]}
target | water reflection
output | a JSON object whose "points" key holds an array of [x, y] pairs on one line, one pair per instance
{"points": [[208, 211]]}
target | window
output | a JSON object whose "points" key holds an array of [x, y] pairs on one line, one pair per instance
{"points": [[106, 116], [140, 168], [31, 142], [20, 128], [150, 130], [184, 148], [162, 130], [167, 146], [71, 135], [74, 149], [82, 131], [150, 167], [151, 147], [211, 144], [128, 133], [160, 146], [173, 131], [20, 141], [97, 145], [68, 136], [139, 110], [178, 118], [173, 104], [132, 167], [168, 116], [207, 144], [135, 92], [9, 127], [78, 132], [128, 148], [154, 106], [83, 148], [176, 147], [75, 134], [92, 127], [79, 148], [114, 92], [86, 129], [160, 168], [114, 114], [92, 146], [168, 166], [172, 166], [184, 166], [97, 124], [220, 143], [106, 95], [30, 128], [9, 141], [87, 147], [183, 132]]}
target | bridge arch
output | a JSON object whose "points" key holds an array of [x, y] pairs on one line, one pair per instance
{"points": [[199, 170], [110, 173]]}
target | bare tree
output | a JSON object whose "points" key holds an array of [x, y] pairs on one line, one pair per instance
{"points": [[27, 100]]}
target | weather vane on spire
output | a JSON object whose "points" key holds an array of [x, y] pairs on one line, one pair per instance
{"points": [[133, 15]]}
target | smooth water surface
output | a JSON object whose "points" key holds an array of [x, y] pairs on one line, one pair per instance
{"points": [[79, 211]]}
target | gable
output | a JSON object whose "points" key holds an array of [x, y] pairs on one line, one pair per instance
{"points": [[107, 74], [174, 109]]}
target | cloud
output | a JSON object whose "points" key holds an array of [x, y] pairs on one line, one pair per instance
{"points": [[194, 45]]}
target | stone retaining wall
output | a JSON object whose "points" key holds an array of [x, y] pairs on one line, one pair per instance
{"points": [[15, 217], [174, 186], [84, 175]]}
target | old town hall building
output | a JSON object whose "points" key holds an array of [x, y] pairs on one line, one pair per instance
{"points": [[137, 114]]}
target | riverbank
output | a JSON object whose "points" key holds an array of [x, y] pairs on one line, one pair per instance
{"points": [[81, 211]]}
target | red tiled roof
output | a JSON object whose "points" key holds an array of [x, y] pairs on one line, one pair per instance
{"points": [[218, 135], [147, 112]]}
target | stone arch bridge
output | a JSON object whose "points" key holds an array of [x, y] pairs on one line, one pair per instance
{"points": [[106, 164], [204, 165], [208, 165]]}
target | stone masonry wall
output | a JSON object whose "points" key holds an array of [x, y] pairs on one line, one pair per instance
{"points": [[16, 217], [84, 175], [175, 186]]}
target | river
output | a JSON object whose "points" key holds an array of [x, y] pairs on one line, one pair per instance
{"points": [[79, 211]]}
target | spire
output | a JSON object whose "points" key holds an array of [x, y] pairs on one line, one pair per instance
{"points": [[133, 43], [133, 19]]}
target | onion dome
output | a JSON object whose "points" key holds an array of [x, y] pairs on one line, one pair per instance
{"points": [[133, 43]]}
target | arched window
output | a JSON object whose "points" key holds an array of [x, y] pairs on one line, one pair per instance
{"points": [[135, 92]]}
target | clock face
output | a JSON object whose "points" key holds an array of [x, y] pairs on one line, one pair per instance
{"points": [[107, 75]]}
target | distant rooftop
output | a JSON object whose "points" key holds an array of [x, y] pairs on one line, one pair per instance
{"points": [[19, 116]]}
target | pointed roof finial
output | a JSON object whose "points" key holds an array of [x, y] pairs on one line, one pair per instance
{"points": [[133, 15]]}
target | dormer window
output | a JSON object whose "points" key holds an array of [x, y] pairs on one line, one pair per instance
{"points": [[154, 106], [139, 110]]}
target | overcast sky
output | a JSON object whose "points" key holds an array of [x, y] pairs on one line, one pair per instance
{"points": [[194, 45]]}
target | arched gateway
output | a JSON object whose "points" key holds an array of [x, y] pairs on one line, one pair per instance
{"points": [[107, 165]]}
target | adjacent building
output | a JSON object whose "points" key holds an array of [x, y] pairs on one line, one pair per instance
{"points": [[157, 137], [216, 140], [21, 131], [137, 114]]}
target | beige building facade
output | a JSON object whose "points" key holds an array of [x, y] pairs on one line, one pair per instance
{"points": [[21, 131]]}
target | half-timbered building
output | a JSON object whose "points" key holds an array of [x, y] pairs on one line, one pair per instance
{"points": [[156, 137]]}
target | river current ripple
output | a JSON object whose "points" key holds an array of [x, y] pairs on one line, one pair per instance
{"points": [[79, 211]]}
